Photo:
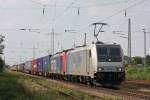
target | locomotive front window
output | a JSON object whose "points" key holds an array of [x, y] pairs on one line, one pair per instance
{"points": [[108, 54], [102, 54], [114, 54]]}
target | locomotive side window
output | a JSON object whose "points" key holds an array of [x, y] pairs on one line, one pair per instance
{"points": [[89, 53]]}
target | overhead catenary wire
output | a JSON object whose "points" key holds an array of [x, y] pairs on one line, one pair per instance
{"points": [[39, 3], [134, 5], [60, 15], [46, 6], [66, 9], [118, 12], [71, 6], [61, 6]]}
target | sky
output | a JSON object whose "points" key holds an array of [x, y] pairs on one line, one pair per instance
{"points": [[75, 16]]}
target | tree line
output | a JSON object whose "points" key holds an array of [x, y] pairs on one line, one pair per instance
{"points": [[2, 62], [140, 60]]}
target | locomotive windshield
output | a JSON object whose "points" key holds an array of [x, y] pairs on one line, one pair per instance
{"points": [[108, 54]]}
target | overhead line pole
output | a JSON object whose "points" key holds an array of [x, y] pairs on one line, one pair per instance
{"points": [[52, 41], [33, 52], [144, 30], [129, 40], [85, 39]]}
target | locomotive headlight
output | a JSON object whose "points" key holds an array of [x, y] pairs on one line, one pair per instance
{"points": [[100, 69], [119, 69]]}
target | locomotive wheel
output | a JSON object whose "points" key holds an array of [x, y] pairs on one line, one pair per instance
{"points": [[89, 81]]}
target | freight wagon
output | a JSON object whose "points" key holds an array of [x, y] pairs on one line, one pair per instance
{"points": [[34, 66], [28, 67], [46, 65], [20, 67], [56, 65], [40, 69]]}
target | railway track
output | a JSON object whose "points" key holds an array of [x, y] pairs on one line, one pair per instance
{"points": [[123, 93], [135, 93], [140, 82], [98, 91]]}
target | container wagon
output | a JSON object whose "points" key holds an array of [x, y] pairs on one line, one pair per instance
{"points": [[40, 69], [20, 67], [28, 67], [34, 66], [46, 65]]}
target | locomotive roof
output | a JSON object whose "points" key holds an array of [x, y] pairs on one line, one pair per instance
{"points": [[83, 47]]}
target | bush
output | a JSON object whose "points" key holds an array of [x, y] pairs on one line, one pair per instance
{"points": [[138, 73], [137, 60], [1, 64]]}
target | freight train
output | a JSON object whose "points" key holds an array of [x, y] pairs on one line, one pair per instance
{"points": [[89, 64]]}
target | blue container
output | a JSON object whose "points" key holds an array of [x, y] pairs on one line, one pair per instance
{"points": [[40, 64], [46, 64]]}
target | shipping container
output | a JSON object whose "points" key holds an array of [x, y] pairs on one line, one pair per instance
{"points": [[46, 65], [64, 62], [40, 65], [34, 66], [21, 67], [28, 67], [56, 63]]}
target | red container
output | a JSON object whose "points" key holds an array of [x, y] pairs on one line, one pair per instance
{"points": [[34, 66], [63, 59]]}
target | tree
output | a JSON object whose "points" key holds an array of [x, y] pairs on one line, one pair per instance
{"points": [[148, 60], [137, 60], [1, 52], [1, 64]]}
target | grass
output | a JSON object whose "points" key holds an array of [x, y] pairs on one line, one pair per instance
{"points": [[138, 73], [17, 86]]}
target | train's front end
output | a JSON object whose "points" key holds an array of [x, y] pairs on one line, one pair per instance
{"points": [[110, 66]]}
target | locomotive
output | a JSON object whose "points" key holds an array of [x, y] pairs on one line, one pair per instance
{"points": [[95, 63]]}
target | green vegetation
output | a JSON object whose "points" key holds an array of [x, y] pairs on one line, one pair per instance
{"points": [[136, 70], [137, 60], [18, 86], [2, 64], [138, 73], [1, 52], [147, 60]]}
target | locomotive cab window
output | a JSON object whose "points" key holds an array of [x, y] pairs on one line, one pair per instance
{"points": [[108, 54], [102, 54], [115, 54]]}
